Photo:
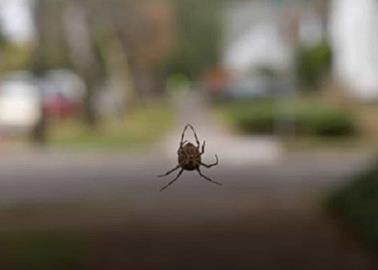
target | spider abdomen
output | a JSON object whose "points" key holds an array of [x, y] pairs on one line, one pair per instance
{"points": [[189, 157], [189, 165]]}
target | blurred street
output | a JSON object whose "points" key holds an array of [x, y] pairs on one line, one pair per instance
{"points": [[265, 216], [95, 97]]}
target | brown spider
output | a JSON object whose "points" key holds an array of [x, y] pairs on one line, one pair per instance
{"points": [[189, 158]]}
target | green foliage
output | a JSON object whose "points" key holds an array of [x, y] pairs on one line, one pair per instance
{"points": [[357, 205], [312, 64], [42, 250], [14, 57], [198, 36], [309, 118], [2, 39]]}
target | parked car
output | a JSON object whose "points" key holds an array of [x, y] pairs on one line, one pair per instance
{"points": [[63, 93], [20, 103]]}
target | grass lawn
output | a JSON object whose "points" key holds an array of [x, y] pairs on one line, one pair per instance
{"points": [[142, 127]]}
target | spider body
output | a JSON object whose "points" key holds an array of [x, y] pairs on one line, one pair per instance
{"points": [[189, 158]]}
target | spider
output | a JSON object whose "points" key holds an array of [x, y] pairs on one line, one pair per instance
{"points": [[189, 158]]}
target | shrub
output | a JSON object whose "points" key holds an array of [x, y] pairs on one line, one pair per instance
{"points": [[321, 120], [253, 118], [357, 205], [308, 118]]}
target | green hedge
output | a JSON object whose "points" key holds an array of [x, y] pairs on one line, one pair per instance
{"points": [[357, 205], [309, 118], [317, 119], [251, 118]]}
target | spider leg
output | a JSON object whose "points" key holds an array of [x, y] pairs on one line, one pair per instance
{"points": [[169, 172], [212, 164], [195, 135], [182, 136], [170, 183], [207, 178], [203, 147]]}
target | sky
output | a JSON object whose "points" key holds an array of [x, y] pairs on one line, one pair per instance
{"points": [[16, 20]]}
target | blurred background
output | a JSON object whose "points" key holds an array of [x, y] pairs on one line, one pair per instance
{"points": [[94, 95]]}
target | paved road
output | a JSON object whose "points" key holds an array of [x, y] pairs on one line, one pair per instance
{"points": [[263, 217]]}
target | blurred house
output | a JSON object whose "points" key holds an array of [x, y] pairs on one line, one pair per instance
{"points": [[266, 33], [354, 32], [261, 38], [254, 36]]}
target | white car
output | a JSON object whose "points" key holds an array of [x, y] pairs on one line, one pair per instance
{"points": [[20, 104]]}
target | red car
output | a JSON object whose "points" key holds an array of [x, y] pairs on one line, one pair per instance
{"points": [[63, 94], [60, 107]]}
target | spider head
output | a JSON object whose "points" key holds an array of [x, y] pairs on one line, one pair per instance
{"points": [[190, 150]]}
